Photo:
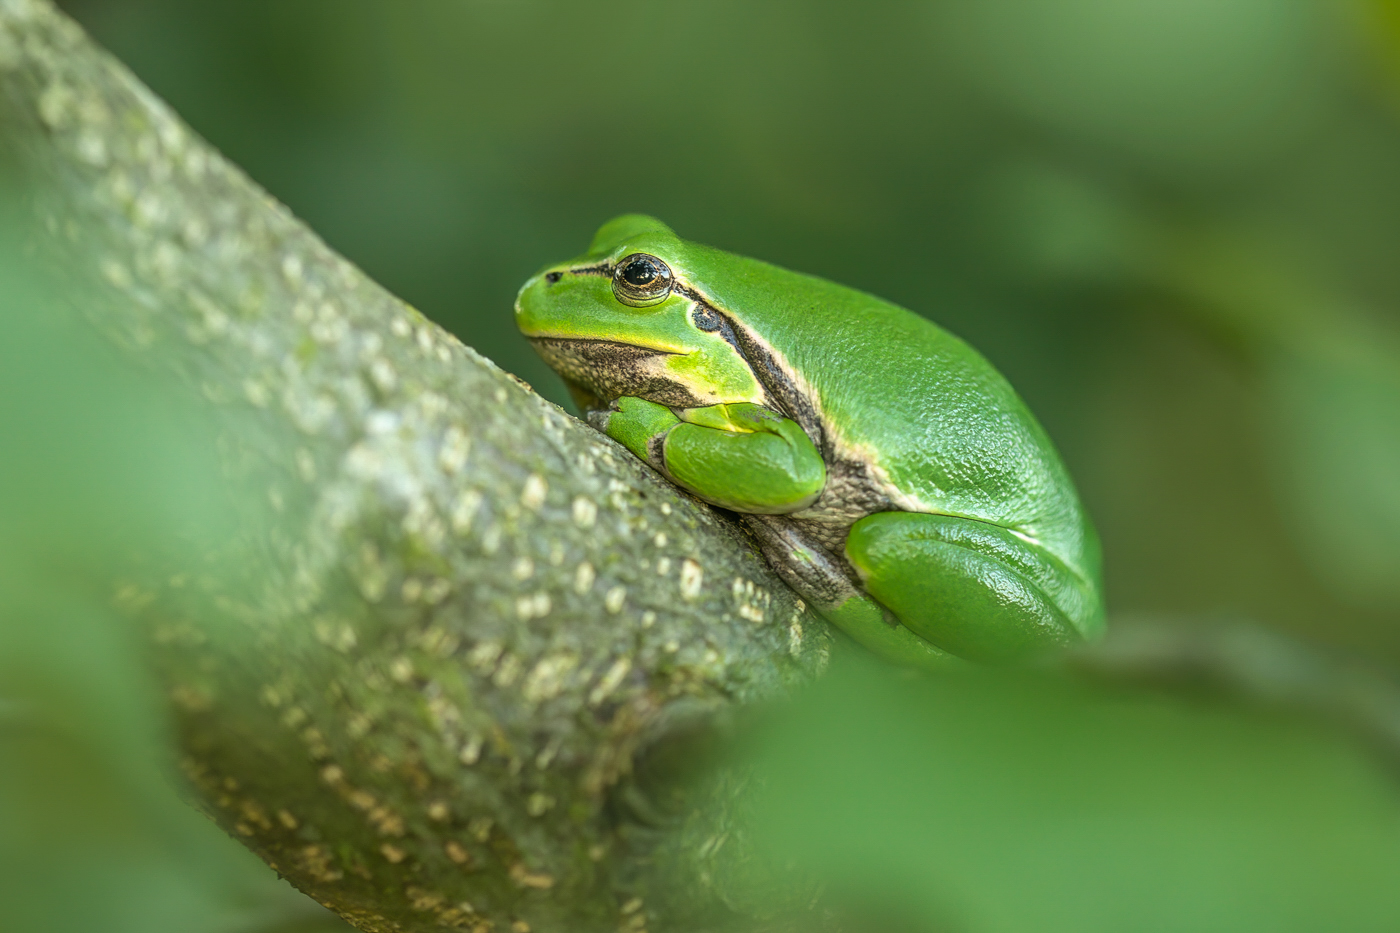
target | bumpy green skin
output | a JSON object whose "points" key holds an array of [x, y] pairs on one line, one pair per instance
{"points": [[890, 474]]}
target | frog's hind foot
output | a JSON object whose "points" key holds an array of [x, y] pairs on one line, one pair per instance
{"points": [[826, 584], [803, 563]]}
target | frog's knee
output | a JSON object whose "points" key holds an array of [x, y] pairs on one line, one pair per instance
{"points": [[969, 587]]}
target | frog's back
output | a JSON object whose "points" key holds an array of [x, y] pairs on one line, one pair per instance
{"points": [[925, 409]]}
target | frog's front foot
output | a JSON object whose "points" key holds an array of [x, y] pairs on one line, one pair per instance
{"points": [[741, 457]]}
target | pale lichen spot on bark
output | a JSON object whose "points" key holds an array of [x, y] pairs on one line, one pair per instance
{"points": [[692, 575], [91, 148], [456, 445], [423, 900], [614, 599], [256, 393], [432, 404], [56, 104], [508, 671], [610, 681], [436, 590], [471, 752], [401, 669], [533, 606], [648, 619], [315, 742], [292, 269], [392, 853], [464, 510], [358, 725], [528, 879], [306, 465], [387, 822], [116, 274], [485, 655], [382, 374], [538, 804], [585, 511], [340, 636], [795, 635], [533, 495], [318, 862], [523, 568], [548, 678], [663, 566], [660, 540], [584, 577]]}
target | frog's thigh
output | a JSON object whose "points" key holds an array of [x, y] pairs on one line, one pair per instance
{"points": [[758, 472], [956, 582]]}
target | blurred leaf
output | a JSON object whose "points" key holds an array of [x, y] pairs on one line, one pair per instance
{"points": [[1330, 371], [1335, 429], [1020, 803], [100, 466]]}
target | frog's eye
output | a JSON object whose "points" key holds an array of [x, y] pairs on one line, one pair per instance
{"points": [[641, 280]]}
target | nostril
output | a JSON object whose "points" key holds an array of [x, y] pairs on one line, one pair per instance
{"points": [[552, 277]]}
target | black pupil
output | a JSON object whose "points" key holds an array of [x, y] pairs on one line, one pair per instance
{"points": [[639, 273]]}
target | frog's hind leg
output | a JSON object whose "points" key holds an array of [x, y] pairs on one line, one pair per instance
{"points": [[807, 567], [970, 587]]}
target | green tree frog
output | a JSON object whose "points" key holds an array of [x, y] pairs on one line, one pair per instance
{"points": [[889, 474]]}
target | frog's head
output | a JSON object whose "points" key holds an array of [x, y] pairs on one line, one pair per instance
{"points": [[626, 319]]}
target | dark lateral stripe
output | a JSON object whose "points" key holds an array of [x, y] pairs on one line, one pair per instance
{"points": [[761, 363]]}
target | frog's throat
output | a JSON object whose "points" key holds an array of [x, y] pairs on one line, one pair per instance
{"points": [[610, 369]]}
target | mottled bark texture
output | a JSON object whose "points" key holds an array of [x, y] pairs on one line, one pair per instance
{"points": [[463, 615]]}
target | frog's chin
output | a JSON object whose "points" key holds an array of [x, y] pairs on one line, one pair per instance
{"points": [[606, 369]]}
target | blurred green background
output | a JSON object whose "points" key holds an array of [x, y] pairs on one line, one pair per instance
{"points": [[1174, 225]]}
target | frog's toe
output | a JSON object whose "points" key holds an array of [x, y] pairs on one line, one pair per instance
{"points": [[969, 587]]}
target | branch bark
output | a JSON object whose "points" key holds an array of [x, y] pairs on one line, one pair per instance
{"points": [[464, 614]]}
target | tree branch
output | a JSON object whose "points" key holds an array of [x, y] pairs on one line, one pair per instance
{"points": [[459, 614]]}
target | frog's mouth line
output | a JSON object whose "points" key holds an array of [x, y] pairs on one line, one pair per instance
{"points": [[610, 369]]}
